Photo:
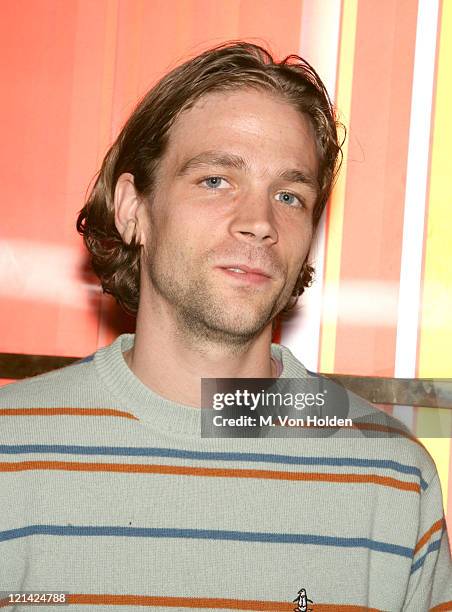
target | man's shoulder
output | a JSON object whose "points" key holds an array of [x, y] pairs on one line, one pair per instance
{"points": [[395, 441], [374, 434], [83, 381], [72, 405]]}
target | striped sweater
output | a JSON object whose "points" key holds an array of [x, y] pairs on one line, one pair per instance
{"points": [[109, 494]]}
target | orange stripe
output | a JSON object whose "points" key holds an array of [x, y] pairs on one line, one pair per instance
{"points": [[204, 602], [373, 427], [375, 182], [447, 605], [214, 472], [71, 411], [428, 534], [128, 415], [342, 608], [177, 602], [385, 428], [366, 426]]}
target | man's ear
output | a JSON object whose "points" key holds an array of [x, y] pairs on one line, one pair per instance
{"points": [[129, 210]]}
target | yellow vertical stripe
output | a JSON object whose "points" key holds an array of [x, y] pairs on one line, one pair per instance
{"points": [[436, 314], [334, 237]]}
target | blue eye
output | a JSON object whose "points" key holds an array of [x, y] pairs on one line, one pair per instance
{"points": [[289, 198], [213, 181]]}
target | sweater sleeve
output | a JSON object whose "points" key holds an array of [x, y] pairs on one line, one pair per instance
{"points": [[430, 584]]}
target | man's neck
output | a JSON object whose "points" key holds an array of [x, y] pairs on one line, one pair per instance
{"points": [[171, 363]]}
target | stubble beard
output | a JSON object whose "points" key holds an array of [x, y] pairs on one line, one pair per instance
{"points": [[202, 314]]}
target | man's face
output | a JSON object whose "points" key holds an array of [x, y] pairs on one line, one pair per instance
{"points": [[236, 190]]}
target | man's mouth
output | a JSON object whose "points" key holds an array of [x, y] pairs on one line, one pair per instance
{"points": [[242, 269], [246, 274]]}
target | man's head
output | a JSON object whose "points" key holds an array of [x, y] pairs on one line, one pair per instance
{"points": [[289, 147]]}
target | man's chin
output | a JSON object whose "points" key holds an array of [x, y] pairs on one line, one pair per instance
{"points": [[228, 336], [233, 327], [239, 326]]}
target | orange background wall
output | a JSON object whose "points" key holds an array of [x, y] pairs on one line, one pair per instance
{"points": [[382, 303]]}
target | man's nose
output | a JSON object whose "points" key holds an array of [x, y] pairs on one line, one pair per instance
{"points": [[254, 220]]}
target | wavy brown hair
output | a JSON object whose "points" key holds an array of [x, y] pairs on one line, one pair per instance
{"points": [[143, 140]]}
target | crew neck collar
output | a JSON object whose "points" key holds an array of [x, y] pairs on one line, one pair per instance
{"points": [[157, 411]]}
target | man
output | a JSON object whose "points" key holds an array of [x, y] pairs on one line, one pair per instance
{"points": [[201, 222]]}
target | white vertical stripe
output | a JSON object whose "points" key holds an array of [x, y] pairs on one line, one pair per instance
{"points": [[319, 38], [415, 196], [319, 45]]}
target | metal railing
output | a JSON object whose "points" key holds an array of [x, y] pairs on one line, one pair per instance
{"points": [[425, 392]]}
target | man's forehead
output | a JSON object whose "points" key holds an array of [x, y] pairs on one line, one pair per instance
{"points": [[244, 108], [243, 129]]}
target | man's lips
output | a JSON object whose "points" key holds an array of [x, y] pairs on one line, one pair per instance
{"points": [[247, 275], [246, 269]]}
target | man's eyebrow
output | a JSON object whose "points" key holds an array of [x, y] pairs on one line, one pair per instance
{"points": [[214, 158], [231, 160], [297, 176]]}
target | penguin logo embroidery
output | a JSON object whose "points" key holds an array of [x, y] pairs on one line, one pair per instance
{"points": [[302, 602]]}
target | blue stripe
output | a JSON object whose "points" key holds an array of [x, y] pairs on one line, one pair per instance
{"points": [[131, 451], [84, 360], [206, 534], [433, 546]]}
